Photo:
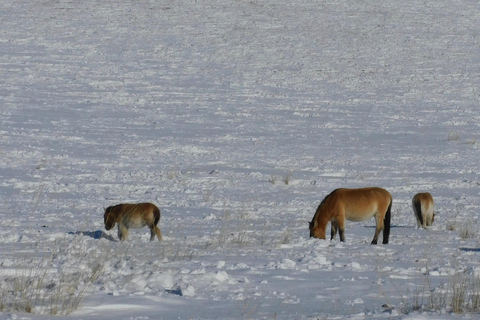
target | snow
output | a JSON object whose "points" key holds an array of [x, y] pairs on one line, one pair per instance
{"points": [[237, 118]]}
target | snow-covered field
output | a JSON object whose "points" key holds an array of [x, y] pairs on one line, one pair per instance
{"points": [[236, 117]]}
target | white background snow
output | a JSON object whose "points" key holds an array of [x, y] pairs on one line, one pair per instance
{"points": [[237, 117]]}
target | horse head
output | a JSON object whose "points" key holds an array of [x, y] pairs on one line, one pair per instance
{"points": [[315, 230], [109, 218]]}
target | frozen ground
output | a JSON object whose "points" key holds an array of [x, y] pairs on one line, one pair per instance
{"points": [[237, 118]]}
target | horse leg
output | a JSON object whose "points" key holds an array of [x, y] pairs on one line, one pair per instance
{"points": [[382, 224], [342, 234], [375, 237], [341, 228], [429, 221], [334, 230], [377, 229], [122, 232], [157, 232], [387, 224]]}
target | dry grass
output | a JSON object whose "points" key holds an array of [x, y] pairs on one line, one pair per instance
{"points": [[286, 180], [467, 232], [461, 295], [464, 228], [454, 136], [44, 289]]}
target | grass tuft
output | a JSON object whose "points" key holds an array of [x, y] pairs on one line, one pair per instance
{"points": [[45, 288], [461, 295]]}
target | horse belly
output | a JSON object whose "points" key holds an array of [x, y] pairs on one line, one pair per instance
{"points": [[360, 215], [134, 223]]}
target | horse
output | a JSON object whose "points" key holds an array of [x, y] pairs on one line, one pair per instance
{"points": [[422, 204], [354, 205], [133, 216]]}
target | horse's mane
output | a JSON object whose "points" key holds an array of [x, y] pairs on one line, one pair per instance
{"points": [[322, 204]]}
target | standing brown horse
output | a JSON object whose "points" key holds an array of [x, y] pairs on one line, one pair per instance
{"points": [[355, 205], [422, 204], [133, 216]]}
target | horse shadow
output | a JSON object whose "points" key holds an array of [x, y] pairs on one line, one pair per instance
{"points": [[396, 226], [177, 291], [99, 234], [470, 249]]}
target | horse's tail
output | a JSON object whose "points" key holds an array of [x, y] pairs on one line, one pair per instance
{"points": [[386, 223], [417, 206], [156, 215]]}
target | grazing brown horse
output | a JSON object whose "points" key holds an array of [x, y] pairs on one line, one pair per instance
{"points": [[422, 204], [355, 205], [133, 216]]}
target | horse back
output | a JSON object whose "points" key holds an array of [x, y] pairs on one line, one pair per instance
{"points": [[139, 212], [422, 204], [425, 199], [363, 203]]}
